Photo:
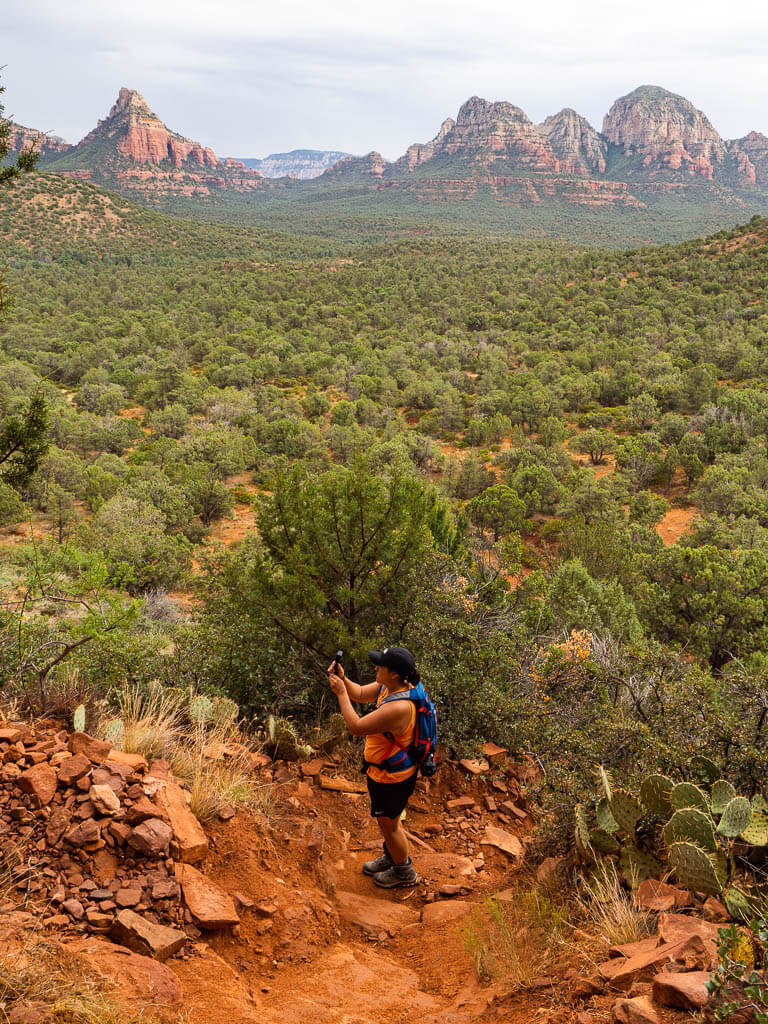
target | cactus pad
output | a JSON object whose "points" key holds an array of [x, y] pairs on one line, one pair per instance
{"points": [[114, 732], [756, 832], [654, 795], [722, 794], [693, 869], [690, 825], [581, 829], [638, 866], [603, 841], [705, 770], [78, 719], [605, 819], [720, 864], [685, 794], [626, 810], [605, 782], [736, 817], [738, 905], [200, 710]]}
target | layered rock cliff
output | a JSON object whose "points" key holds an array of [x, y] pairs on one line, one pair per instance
{"points": [[750, 156], [42, 143], [575, 142], [666, 132], [131, 148], [486, 133]]}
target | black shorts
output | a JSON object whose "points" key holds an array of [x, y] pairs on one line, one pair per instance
{"points": [[388, 799]]}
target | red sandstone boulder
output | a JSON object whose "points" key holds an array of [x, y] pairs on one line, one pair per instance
{"points": [[73, 768], [210, 906], [686, 991], [40, 782], [190, 843], [152, 837], [95, 750], [131, 930], [634, 1011]]}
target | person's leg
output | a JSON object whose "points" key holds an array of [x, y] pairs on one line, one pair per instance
{"points": [[395, 838]]}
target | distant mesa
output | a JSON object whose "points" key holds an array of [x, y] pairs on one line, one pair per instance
{"points": [[22, 138], [302, 164]]}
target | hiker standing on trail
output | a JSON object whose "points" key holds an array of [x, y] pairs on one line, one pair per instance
{"points": [[389, 732]]}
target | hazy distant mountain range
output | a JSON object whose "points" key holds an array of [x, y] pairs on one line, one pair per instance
{"points": [[654, 146], [299, 163]]}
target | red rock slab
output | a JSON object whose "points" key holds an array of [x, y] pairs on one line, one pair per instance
{"points": [[460, 803], [190, 843], [634, 1011], [505, 841], [10, 734], [686, 991], [141, 810], [211, 907], [73, 768], [373, 915], [95, 750], [341, 785], [40, 782], [142, 936], [435, 914], [621, 972], [474, 766], [653, 895], [493, 753], [630, 949], [674, 927], [136, 762], [151, 837]]}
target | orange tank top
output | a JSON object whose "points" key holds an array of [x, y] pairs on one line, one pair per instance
{"points": [[378, 748]]}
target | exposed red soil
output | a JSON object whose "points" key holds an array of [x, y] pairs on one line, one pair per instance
{"points": [[676, 523]]}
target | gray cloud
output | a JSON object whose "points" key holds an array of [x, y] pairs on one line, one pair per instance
{"points": [[249, 78]]}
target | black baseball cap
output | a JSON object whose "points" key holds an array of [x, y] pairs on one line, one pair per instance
{"points": [[397, 659]]}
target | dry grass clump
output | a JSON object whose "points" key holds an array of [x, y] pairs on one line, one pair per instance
{"points": [[215, 765], [41, 972], [609, 915], [151, 721], [513, 942]]}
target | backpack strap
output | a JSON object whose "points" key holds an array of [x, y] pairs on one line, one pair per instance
{"points": [[402, 759]]}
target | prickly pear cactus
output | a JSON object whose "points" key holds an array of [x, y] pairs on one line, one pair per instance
{"points": [[693, 869], [605, 819], [283, 741], [690, 825], [638, 866], [603, 841], [654, 795], [78, 719], [756, 832], [722, 794], [738, 904], [200, 710], [114, 732], [720, 864], [626, 810], [605, 782], [736, 817], [704, 769], [224, 712], [685, 794], [581, 830]]}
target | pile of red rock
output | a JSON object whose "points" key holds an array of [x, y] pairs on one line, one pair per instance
{"points": [[669, 969], [99, 841]]}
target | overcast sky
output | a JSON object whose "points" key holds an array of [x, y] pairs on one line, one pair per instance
{"points": [[251, 77]]}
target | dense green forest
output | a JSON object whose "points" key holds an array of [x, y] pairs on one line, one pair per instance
{"points": [[541, 467]]}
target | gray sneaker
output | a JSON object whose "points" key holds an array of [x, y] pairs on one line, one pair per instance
{"points": [[397, 876], [373, 867]]}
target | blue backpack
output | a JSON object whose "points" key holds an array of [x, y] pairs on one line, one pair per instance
{"points": [[421, 751]]}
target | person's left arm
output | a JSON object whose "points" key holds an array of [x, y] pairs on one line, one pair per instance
{"points": [[391, 717]]}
